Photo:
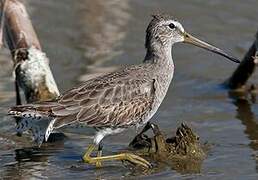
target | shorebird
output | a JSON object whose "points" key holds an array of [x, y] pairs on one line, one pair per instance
{"points": [[116, 101]]}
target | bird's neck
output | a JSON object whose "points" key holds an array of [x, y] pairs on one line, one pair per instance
{"points": [[161, 59], [160, 54]]}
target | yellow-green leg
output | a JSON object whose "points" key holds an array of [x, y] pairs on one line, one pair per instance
{"points": [[123, 156]]}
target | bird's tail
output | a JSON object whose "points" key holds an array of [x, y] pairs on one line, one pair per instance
{"points": [[35, 118]]}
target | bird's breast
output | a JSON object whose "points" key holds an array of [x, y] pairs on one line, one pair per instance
{"points": [[161, 85]]}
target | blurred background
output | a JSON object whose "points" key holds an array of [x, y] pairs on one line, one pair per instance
{"points": [[85, 38]]}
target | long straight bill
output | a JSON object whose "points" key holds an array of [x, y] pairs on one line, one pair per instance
{"points": [[193, 40]]}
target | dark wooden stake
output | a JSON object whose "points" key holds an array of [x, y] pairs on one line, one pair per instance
{"points": [[245, 68]]}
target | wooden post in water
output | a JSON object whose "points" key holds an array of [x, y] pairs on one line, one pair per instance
{"points": [[31, 65], [245, 68]]}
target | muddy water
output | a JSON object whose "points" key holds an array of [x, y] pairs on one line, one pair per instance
{"points": [[84, 38]]}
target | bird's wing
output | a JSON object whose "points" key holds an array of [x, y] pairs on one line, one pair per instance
{"points": [[106, 101]]}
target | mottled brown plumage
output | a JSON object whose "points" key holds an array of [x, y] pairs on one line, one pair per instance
{"points": [[114, 100], [117, 99]]}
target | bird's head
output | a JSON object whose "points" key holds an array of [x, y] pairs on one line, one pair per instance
{"points": [[164, 30]]}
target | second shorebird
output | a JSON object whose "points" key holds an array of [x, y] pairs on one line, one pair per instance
{"points": [[116, 101]]}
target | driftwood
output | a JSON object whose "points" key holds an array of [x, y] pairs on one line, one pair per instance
{"points": [[183, 152], [31, 66], [245, 69]]}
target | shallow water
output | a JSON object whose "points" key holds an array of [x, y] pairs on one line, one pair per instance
{"points": [[83, 38]]}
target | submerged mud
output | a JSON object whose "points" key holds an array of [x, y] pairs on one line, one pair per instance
{"points": [[182, 152]]}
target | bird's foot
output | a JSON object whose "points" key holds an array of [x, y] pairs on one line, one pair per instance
{"points": [[134, 159]]}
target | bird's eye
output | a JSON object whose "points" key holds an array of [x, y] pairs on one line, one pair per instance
{"points": [[172, 26]]}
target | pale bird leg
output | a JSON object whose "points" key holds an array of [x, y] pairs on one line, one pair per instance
{"points": [[137, 160]]}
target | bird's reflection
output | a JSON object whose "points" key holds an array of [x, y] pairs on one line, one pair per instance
{"points": [[41, 154], [29, 161], [249, 120]]}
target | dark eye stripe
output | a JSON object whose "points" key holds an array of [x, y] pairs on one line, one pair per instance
{"points": [[172, 26]]}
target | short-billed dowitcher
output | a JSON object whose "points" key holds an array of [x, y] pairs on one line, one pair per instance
{"points": [[116, 101]]}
